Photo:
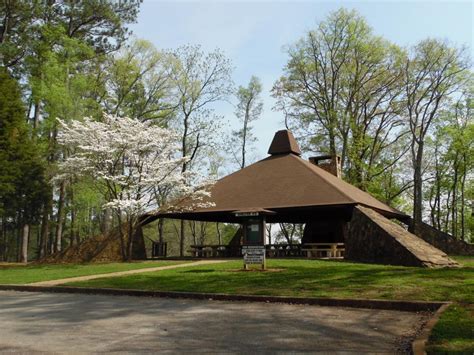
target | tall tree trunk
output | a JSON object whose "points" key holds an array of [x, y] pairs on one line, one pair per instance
{"points": [[5, 243], [463, 187], [60, 220], [181, 238], [417, 197], [192, 227], [219, 235], [89, 222], [332, 141], [130, 232], [47, 207], [446, 222], [24, 243], [46, 237], [36, 116], [438, 198], [2, 239], [203, 232], [18, 232], [269, 233], [51, 239], [160, 230], [106, 222], [244, 137], [122, 236], [417, 188], [184, 152], [454, 203], [73, 216]]}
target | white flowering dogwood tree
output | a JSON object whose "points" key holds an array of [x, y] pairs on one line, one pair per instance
{"points": [[129, 160]]}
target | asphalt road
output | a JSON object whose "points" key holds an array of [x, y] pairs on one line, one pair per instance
{"points": [[72, 323]]}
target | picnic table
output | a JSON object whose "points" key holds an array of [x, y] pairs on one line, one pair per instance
{"points": [[210, 250], [282, 250], [320, 250], [311, 250]]}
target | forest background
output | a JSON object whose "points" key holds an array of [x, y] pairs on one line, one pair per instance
{"points": [[399, 116]]}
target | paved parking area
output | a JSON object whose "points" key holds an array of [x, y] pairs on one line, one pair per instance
{"points": [[73, 323]]}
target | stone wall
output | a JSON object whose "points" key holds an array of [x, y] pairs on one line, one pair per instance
{"points": [[444, 241], [374, 238]]}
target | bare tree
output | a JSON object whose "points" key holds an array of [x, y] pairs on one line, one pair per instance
{"points": [[200, 79], [249, 108]]}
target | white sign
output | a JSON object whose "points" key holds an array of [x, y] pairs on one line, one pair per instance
{"points": [[253, 254], [246, 214]]}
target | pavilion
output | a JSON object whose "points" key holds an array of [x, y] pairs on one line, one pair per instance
{"points": [[286, 188]]}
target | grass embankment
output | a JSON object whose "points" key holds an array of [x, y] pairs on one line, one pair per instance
{"points": [[314, 278], [23, 274]]}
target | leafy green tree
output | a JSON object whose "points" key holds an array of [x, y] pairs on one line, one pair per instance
{"points": [[340, 93], [61, 89], [100, 24], [347, 91], [60, 48], [16, 30], [434, 71], [22, 171], [450, 169], [138, 84]]}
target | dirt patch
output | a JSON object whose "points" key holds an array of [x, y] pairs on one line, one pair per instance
{"points": [[404, 343], [256, 270], [6, 264]]}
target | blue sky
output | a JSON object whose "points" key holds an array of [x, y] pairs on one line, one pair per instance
{"points": [[253, 34]]}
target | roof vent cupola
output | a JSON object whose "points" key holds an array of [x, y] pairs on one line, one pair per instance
{"points": [[284, 143]]}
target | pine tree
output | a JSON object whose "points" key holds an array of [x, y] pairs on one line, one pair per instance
{"points": [[21, 169]]}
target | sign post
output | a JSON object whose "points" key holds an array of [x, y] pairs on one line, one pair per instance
{"points": [[253, 248], [254, 254]]}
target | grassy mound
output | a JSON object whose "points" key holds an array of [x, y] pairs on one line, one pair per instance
{"points": [[99, 249]]}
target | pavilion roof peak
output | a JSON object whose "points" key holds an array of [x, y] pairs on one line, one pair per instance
{"points": [[284, 143]]}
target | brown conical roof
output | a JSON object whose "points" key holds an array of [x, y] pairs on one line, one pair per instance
{"points": [[284, 143], [283, 181]]}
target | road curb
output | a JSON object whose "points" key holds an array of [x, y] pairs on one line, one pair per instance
{"points": [[418, 345], [408, 306]]}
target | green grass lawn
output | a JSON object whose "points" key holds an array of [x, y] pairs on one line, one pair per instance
{"points": [[465, 261], [308, 278], [337, 279], [454, 332], [23, 274]]}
